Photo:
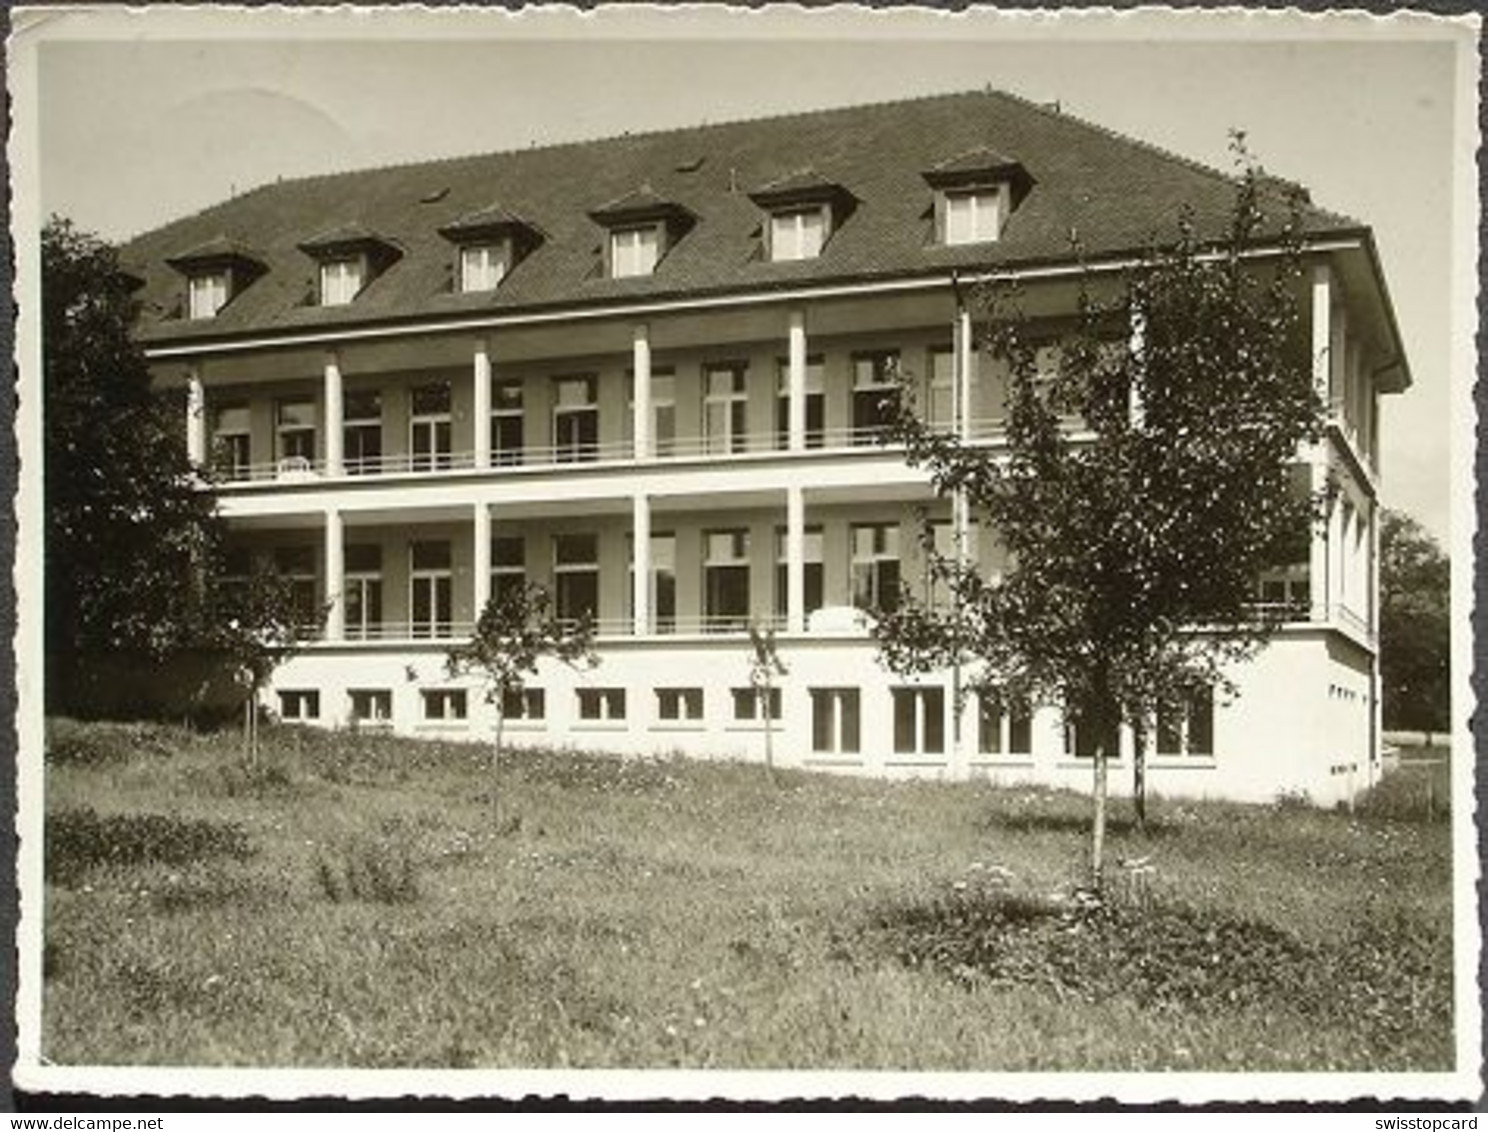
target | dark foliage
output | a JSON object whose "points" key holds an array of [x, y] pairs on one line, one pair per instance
{"points": [[69, 742], [1415, 627], [79, 841], [381, 868]]}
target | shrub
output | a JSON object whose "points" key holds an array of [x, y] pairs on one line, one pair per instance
{"points": [[1410, 795], [77, 841], [380, 868], [69, 742]]}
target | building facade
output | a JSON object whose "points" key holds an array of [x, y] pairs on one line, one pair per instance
{"points": [[646, 373]]}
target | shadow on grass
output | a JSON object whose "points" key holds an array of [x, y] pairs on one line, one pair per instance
{"points": [[78, 841], [1117, 825]]}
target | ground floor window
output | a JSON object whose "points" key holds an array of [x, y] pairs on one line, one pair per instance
{"points": [[371, 705], [1187, 726], [1004, 724], [524, 703], [445, 703], [1082, 735], [919, 721], [601, 703], [835, 720], [299, 704], [679, 703], [748, 703]]}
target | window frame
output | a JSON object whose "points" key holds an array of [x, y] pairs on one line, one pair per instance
{"points": [[207, 292], [629, 257], [488, 275], [342, 279], [987, 210], [792, 245], [872, 566]]}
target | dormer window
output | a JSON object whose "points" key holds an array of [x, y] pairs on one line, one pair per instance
{"points": [[482, 266], [975, 194], [974, 216], [207, 293], [490, 242], [805, 210], [798, 233], [341, 280], [634, 251], [642, 228], [350, 258], [216, 272]]}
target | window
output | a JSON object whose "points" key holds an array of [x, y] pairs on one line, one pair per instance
{"points": [[875, 566], [873, 389], [575, 419], [601, 704], [749, 701], [232, 442], [576, 575], [341, 280], [676, 704], [834, 720], [1004, 725], [294, 428], [816, 417], [663, 582], [296, 564], [508, 566], [725, 408], [207, 294], [299, 704], [663, 411], [524, 703], [362, 592], [634, 251], [941, 399], [506, 422], [429, 426], [973, 216], [362, 430], [482, 266], [445, 704], [1187, 727], [429, 584], [725, 580], [371, 705], [232, 583], [811, 568], [799, 233], [919, 721]]}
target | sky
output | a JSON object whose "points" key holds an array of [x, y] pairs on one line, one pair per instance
{"points": [[146, 117]]}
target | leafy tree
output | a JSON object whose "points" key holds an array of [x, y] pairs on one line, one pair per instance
{"points": [[1133, 553], [515, 631], [765, 666], [1415, 626], [127, 526]]}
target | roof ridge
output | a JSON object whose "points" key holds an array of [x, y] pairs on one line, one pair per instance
{"points": [[637, 135]]}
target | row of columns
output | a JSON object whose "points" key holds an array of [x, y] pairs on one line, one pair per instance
{"points": [[333, 399]]}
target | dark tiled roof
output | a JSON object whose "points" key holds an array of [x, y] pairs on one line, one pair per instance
{"points": [[801, 184], [979, 160], [1114, 193], [218, 249], [642, 202], [352, 234], [492, 218]]}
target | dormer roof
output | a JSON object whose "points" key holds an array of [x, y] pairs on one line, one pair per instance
{"points": [[801, 186], [493, 221]]}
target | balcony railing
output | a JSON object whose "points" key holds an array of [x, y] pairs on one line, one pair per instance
{"points": [[403, 632]]}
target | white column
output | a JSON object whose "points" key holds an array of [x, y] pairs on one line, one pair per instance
{"points": [[334, 434], [641, 365], [1318, 558], [481, 376], [961, 347], [795, 559], [196, 417], [641, 574], [335, 575], [480, 586], [1137, 346], [965, 363], [796, 383]]}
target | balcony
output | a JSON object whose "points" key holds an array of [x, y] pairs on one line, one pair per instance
{"points": [[608, 628]]}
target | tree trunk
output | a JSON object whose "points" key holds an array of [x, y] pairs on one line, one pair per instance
{"points": [[1098, 826], [496, 769], [1139, 776], [769, 732]]}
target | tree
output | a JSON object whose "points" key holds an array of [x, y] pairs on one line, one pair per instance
{"points": [[1133, 554], [127, 524], [1415, 626], [515, 631], [765, 666]]}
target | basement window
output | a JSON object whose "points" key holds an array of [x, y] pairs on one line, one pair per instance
{"points": [[299, 704]]}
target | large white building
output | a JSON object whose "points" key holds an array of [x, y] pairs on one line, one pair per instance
{"points": [[646, 371]]}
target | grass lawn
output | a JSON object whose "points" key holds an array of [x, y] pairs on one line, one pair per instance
{"points": [[351, 903]]}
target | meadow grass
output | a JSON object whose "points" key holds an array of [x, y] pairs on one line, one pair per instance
{"points": [[348, 901]]}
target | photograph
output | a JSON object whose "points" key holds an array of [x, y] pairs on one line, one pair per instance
{"points": [[685, 552]]}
